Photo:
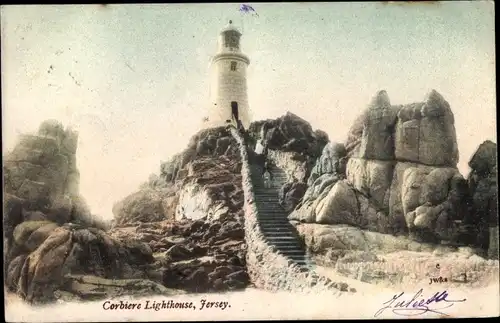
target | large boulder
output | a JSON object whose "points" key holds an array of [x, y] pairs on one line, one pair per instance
{"points": [[41, 169], [12, 215], [340, 206], [52, 252], [332, 161], [425, 133], [289, 133], [146, 205], [377, 140], [290, 195], [400, 175], [372, 178], [483, 187]]}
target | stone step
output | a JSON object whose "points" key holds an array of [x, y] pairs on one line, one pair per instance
{"points": [[270, 206], [276, 228], [270, 228], [272, 234], [285, 243], [274, 218], [276, 233], [289, 248], [271, 213], [273, 222], [293, 252], [280, 227], [269, 202], [270, 221], [283, 249], [280, 238]]}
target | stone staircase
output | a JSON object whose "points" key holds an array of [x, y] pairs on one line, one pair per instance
{"points": [[272, 218]]}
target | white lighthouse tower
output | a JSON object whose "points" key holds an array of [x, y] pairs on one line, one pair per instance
{"points": [[228, 86]]}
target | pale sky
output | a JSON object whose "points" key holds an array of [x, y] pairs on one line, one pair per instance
{"points": [[134, 79]]}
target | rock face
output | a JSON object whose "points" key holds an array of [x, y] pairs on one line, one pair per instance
{"points": [[394, 261], [195, 256], [483, 186], [329, 168], [41, 180], [50, 234], [289, 133], [49, 254], [294, 147], [191, 217], [202, 181], [400, 174]]}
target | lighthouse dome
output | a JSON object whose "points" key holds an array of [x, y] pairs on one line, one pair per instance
{"points": [[230, 27]]}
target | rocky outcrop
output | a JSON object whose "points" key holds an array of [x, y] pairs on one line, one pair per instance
{"points": [[400, 174], [329, 168], [289, 133], [201, 182], [41, 176], [483, 186], [147, 205], [41, 183], [195, 256], [191, 216], [290, 195], [50, 254], [292, 146], [394, 261]]}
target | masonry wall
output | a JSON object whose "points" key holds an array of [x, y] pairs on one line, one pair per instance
{"points": [[229, 86]]}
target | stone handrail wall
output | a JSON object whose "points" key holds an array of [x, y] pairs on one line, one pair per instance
{"points": [[267, 268]]}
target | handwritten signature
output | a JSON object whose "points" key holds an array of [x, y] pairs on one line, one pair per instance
{"points": [[418, 305]]}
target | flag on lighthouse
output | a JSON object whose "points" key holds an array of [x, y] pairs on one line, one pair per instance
{"points": [[245, 9]]}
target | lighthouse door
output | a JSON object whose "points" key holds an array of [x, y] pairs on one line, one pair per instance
{"points": [[234, 111]]}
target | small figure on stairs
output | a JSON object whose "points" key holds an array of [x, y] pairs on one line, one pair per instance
{"points": [[267, 175], [267, 178]]}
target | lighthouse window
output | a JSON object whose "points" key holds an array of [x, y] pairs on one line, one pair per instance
{"points": [[233, 66]]}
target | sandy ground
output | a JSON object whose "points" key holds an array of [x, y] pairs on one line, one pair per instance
{"points": [[259, 304]]}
